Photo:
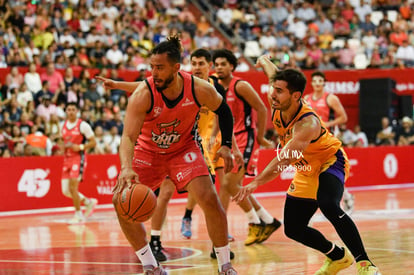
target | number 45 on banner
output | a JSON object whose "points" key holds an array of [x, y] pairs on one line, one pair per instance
{"points": [[34, 182]]}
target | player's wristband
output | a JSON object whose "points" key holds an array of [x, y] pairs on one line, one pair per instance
{"points": [[81, 147]]}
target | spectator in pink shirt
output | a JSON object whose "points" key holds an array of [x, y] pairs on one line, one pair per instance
{"points": [[55, 78], [316, 54], [346, 56], [46, 108]]}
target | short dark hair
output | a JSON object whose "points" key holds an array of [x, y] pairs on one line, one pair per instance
{"points": [[201, 53], [71, 104], [319, 73], [296, 80], [171, 46], [227, 54]]}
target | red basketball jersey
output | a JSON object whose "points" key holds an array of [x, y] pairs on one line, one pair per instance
{"points": [[242, 112], [72, 136], [168, 128], [320, 106]]}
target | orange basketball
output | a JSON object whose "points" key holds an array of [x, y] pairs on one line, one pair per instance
{"points": [[136, 204]]}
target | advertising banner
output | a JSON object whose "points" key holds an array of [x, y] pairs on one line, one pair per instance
{"points": [[35, 182]]}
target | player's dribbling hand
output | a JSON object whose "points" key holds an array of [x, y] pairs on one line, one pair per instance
{"points": [[245, 191], [225, 153], [108, 83], [125, 179]]}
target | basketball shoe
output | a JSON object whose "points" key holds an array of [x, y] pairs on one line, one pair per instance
{"points": [[214, 256], [157, 249], [77, 220], [366, 268], [255, 231], [227, 269], [186, 228], [332, 267], [90, 207], [151, 270], [268, 230]]}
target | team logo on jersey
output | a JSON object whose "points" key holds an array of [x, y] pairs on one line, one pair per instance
{"points": [[286, 137], [157, 111], [278, 123], [292, 187], [167, 134]]}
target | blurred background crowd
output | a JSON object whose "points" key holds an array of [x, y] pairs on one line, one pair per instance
{"points": [[44, 44]]}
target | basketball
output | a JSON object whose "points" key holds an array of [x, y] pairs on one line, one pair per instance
{"points": [[136, 204]]}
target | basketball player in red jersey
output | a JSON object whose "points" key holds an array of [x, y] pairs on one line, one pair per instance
{"points": [[330, 109], [200, 64], [243, 100], [321, 169], [161, 122], [74, 132]]}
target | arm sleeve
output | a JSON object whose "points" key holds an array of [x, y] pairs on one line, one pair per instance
{"points": [[225, 118], [220, 89], [86, 130]]}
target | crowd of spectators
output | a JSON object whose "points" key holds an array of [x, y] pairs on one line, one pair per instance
{"points": [[40, 39], [323, 34]]}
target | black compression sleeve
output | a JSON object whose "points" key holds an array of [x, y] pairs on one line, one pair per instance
{"points": [[225, 123]]}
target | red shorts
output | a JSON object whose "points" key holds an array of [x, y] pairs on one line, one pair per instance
{"points": [[181, 167], [249, 148], [73, 167]]}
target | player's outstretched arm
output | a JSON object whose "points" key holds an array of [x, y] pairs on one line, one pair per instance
{"points": [[303, 133], [267, 65], [128, 87]]}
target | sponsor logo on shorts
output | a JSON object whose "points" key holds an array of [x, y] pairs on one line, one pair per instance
{"points": [[182, 175]]}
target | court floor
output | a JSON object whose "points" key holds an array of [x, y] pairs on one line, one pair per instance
{"points": [[45, 244]]}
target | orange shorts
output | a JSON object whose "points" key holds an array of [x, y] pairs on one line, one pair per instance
{"points": [[181, 167], [73, 167], [211, 155], [249, 148]]}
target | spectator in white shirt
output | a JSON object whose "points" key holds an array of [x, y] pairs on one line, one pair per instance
{"points": [[369, 40], [306, 12], [363, 10], [361, 137], [225, 14], [268, 40], [67, 36], [24, 96], [113, 139], [298, 28], [405, 53], [32, 79], [114, 55], [347, 137]]}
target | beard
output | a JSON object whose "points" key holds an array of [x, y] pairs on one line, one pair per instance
{"points": [[284, 106], [166, 83]]}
